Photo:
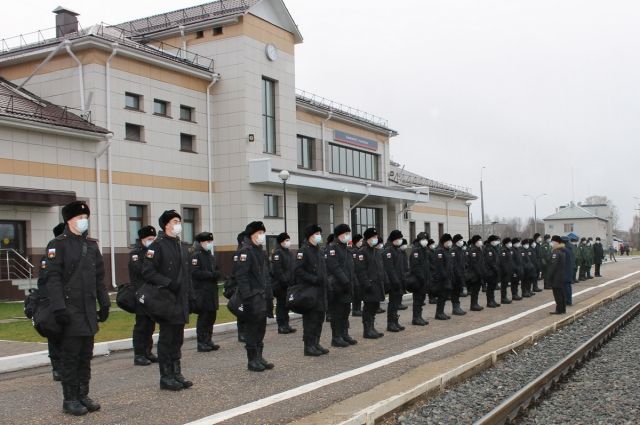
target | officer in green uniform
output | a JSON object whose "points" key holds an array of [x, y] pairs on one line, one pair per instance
{"points": [[545, 260], [589, 258], [581, 260]]}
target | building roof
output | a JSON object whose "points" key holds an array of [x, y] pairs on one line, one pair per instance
{"points": [[409, 179], [573, 212], [25, 106]]}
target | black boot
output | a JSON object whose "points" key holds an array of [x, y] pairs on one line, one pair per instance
{"points": [[203, 347], [253, 364], [398, 325], [214, 347], [320, 347], [139, 360], [456, 310], [283, 330], [71, 404], [167, 378], [83, 398], [440, 311], [419, 321], [474, 301], [514, 293], [368, 331], [392, 327], [55, 370], [356, 313], [536, 288], [151, 357], [348, 339], [484, 287], [504, 298], [336, 335], [311, 350], [267, 365], [177, 370], [491, 301]]}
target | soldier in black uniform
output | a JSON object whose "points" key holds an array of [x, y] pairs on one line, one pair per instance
{"points": [[420, 273], [252, 277], [144, 326], [394, 266], [598, 256], [528, 268], [518, 271], [492, 269], [475, 271], [458, 256], [356, 305], [557, 274], [311, 273], [205, 275], [74, 282], [54, 344], [506, 269], [536, 248], [166, 265], [281, 279], [341, 274], [371, 277], [442, 275]]}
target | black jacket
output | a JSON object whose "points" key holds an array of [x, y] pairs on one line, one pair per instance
{"points": [[458, 264], [136, 260], [518, 267], [475, 267], [528, 263], [491, 263], [281, 271], [79, 296], [341, 271], [310, 270], [506, 264], [371, 275], [598, 253], [252, 279], [442, 271], [557, 268], [166, 264], [420, 268], [205, 275], [395, 267]]}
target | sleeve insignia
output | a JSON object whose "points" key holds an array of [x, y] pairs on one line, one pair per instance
{"points": [[504, 254], [354, 255], [491, 254], [416, 255], [473, 254], [51, 253], [235, 258], [43, 264], [194, 261], [529, 254], [300, 255], [150, 253], [361, 257], [388, 255], [453, 254], [243, 257], [553, 255], [332, 252], [276, 257], [134, 258], [439, 255]]}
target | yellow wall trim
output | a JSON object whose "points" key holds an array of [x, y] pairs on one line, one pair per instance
{"points": [[438, 211], [335, 125]]}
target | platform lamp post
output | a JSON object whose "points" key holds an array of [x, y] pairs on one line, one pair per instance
{"points": [[535, 209], [482, 200], [468, 204], [284, 176]]}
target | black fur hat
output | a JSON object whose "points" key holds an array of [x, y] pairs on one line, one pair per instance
{"points": [[204, 236], [395, 234], [556, 238], [74, 209], [445, 238], [341, 229], [515, 240], [282, 237], [547, 237], [506, 241], [167, 216], [311, 229], [146, 231], [253, 227], [357, 238], [370, 232], [536, 236], [493, 238], [404, 242], [457, 237], [475, 239], [422, 235], [431, 241], [58, 230]]}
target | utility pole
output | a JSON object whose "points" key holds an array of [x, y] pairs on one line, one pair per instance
{"points": [[535, 210], [482, 201]]}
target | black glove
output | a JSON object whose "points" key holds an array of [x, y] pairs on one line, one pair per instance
{"points": [[103, 314], [62, 317], [270, 308], [174, 287], [193, 305], [246, 308]]}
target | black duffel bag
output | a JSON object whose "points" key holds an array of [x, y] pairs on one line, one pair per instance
{"points": [[126, 297], [44, 321], [254, 307], [158, 302], [301, 298]]}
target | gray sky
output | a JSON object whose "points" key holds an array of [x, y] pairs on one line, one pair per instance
{"points": [[528, 89]]}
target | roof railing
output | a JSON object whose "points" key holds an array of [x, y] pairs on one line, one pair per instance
{"points": [[325, 103]]}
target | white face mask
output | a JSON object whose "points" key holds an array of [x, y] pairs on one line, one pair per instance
{"points": [[208, 246], [525, 246], [359, 244], [494, 243], [533, 245], [345, 238], [460, 243], [286, 244], [397, 242], [539, 240], [403, 247], [448, 244], [317, 239], [177, 229], [509, 245], [147, 243], [373, 241], [433, 246], [261, 239], [82, 225], [424, 242], [464, 247], [479, 244]]}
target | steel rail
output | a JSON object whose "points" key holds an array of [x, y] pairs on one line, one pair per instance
{"points": [[507, 411]]}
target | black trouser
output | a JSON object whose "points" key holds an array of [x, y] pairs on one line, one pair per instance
{"points": [[515, 281], [204, 325], [143, 335], [491, 287], [598, 269], [339, 318], [418, 300], [458, 284], [474, 290], [504, 285], [369, 311], [582, 274], [254, 330], [395, 298], [559, 297], [170, 343], [76, 360], [282, 312], [55, 352], [357, 300], [312, 326]]}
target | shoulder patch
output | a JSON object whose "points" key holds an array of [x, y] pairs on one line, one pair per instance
{"points": [[194, 261], [473, 254], [51, 253], [235, 258], [553, 255], [355, 255], [43, 264], [276, 257], [150, 253], [529, 254], [360, 257], [523, 254], [453, 254], [504, 254], [388, 255], [416, 255], [332, 252], [243, 257], [439, 255], [134, 257], [491, 254], [300, 255]]}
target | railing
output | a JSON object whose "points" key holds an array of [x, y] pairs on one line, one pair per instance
{"points": [[18, 105], [14, 266], [330, 105]]}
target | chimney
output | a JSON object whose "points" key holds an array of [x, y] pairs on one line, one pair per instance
{"points": [[66, 21]]}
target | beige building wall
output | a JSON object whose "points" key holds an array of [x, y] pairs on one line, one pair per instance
{"points": [[582, 227]]}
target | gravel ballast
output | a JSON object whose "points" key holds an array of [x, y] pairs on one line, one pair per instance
{"points": [[472, 399]]}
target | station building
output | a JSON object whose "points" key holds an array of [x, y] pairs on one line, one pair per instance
{"points": [[194, 110]]}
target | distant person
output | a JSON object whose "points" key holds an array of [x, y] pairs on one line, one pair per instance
{"points": [[558, 275], [612, 253], [598, 256], [570, 273]]}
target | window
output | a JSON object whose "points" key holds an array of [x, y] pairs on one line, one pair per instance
{"points": [[160, 107], [271, 205], [217, 30], [187, 113], [354, 163], [269, 115], [189, 216], [187, 142], [135, 215], [363, 218], [440, 230], [305, 152], [199, 34], [412, 231], [568, 227], [133, 132], [133, 101]]}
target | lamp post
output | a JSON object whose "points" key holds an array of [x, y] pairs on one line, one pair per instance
{"points": [[482, 200], [284, 176], [468, 204], [535, 210]]}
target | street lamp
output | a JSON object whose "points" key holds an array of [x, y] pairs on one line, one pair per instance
{"points": [[284, 176], [468, 204], [535, 210], [482, 200]]}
